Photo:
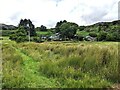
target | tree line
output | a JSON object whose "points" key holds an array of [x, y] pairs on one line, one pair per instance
{"points": [[68, 31]]}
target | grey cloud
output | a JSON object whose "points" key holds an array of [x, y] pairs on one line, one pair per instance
{"points": [[83, 12], [15, 16], [51, 23], [97, 15], [74, 8]]}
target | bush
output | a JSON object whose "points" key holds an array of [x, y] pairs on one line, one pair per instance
{"points": [[109, 37], [81, 28], [80, 37], [21, 39], [102, 36], [36, 39], [93, 34], [116, 36], [19, 36], [13, 37]]}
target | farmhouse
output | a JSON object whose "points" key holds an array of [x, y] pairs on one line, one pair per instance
{"points": [[55, 37]]}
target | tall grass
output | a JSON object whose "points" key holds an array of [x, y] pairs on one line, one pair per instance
{"points": [[83, 64], [20, 71], [11, 64]]}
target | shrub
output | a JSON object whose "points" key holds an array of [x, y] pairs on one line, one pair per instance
{"points": [[93, 34], [80, 37], [13, 37], [102, 36], [109, 37], [20, 39], [36, 39]]}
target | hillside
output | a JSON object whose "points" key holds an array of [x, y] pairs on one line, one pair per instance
{"points": [[7, 27], [113, 26], [104, 31]]}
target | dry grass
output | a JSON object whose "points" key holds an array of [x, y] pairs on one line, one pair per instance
{"points": [[70, 64]]}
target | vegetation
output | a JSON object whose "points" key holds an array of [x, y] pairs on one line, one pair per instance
{"points": [[7, 27], [68, 30], [42, 28], [103, 31], [28, 26], [60, 64], [75, 63], [20, 35], [7, 32], [25, 28]]}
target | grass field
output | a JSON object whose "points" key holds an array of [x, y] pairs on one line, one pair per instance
{"points": [[6, 32], [84, 33], [9, 32], [42, 32], [59, 64]]}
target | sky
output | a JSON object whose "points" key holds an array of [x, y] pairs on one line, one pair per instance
{"points": [[49, 12]]}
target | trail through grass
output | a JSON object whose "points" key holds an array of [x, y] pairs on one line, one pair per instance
{"points": [[30, 72]]}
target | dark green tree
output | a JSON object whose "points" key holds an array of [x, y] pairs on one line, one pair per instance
{"points": [[20, 35], [43, 28], [21, 23], [109, 37], [92, 34], [28, 26], [57, 27], [68, 30], [31, 27], [102, 36], [37, 28], [81, 28]]}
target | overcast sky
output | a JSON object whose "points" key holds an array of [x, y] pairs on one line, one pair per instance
{"points": [[48, 12]]}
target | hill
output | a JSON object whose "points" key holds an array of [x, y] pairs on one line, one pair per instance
{"points": [[107, 31], [7, 27], [102, 26]]}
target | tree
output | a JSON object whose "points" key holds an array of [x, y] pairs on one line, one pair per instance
{"points": [[81, 28], [57, 27], [116, 36], [67, 30], [92, 34], [37, 28], [21, 23], [102, 36], [109, 37], [28, 26], [20, 35], [43, 28]]}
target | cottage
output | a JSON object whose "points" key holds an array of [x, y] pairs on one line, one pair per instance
{"points": [[55, 37]]}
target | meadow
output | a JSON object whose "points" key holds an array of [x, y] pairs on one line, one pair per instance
{"points": [[59, 64]]}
